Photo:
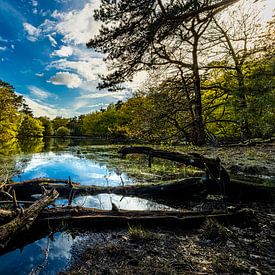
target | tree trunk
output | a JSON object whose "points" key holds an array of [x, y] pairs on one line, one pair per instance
{"points": [[183, 188], [244, 125], [199, 131], [24, 220]]}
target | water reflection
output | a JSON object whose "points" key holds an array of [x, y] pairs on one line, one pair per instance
{"points": [[32, 145], [104, 201], [63, 165], [41, 257]]}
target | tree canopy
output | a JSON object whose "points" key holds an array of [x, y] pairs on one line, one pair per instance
{"points": [[134, 32]]}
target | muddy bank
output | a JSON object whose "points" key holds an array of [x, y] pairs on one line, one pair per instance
{"points": [[213, 248]]}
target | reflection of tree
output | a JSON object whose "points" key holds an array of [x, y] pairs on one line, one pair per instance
{"points": [[32, 145], [9, 165], [48, 144], [62, 142], [9, 148]]}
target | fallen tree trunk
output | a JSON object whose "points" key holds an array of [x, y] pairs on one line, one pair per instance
{"points": [[184, 188], [42, 180], [93, 218], [87, 218], [189, 188], [24, 220], [212, 167]]}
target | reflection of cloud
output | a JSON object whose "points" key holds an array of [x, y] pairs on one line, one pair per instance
{"points": [[103, 201], [86, 171]]}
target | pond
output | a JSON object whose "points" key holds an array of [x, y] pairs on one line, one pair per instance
{"points": [[88, 164]]}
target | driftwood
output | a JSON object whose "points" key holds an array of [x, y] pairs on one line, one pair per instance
{"points": [[25, 219], [43, 180], [94, 218], [184, 188], [84, 217], [212, 167], [88, 218], [217, 178]]}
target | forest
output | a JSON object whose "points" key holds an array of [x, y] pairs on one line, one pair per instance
{"points": [[210, 81]]}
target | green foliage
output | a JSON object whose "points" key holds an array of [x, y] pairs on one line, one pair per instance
{"points": [[105, 123], [62, 131], [10, 111], [75, 125], [48, 128], [30, 127], [133, 34], [58, 122]]}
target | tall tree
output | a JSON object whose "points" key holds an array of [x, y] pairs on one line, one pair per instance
{"points": [[11, 106], [142, 35], [30, 127], [237, 35]]}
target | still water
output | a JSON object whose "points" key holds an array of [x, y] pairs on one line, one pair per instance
{"points": [[88, 165]]}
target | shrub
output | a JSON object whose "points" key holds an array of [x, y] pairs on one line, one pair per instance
{"points": [[62, 131]]}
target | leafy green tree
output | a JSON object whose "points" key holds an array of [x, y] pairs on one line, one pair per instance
{"points": [[146, 35], [62, 131], [30, 127], [107, 123], [75, 125], [48, 128], [11, 107], [132, 30], [58, 122]]}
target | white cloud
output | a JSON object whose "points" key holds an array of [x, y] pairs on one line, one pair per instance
{"points": [[39, 74], [33, 32], [52, 40], [42, 94], [3, 39], [12, 46], [65, 78], [42, 109], [34, 3], [86, 69], [64, 51], [3, 48], [77, 26]]}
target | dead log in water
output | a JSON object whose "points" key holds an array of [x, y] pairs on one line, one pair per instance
{"points": [[43, 180], [24, 220], [183, 188], [93, 218], [212, 167]]}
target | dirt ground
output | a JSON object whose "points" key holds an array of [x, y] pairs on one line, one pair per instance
{"points": [[245, 248]]}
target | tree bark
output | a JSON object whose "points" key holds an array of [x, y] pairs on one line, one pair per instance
{"points": [[183, 188], [211, 166], [24, 220]]}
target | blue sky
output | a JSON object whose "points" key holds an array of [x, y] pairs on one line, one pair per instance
{"points": [[43, 55]]}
